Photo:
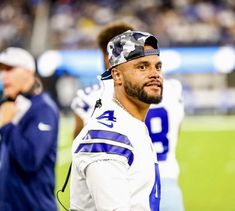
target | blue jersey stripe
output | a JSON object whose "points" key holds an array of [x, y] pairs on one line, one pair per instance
{"points": [[107, 148], [109, 135]]}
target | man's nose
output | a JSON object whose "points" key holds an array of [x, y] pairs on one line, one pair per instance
{"points": [[155, 72]]}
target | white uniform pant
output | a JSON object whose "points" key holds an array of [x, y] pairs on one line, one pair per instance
{"points": [[171, 196]]}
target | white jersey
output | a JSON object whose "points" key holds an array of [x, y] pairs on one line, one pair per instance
{"points": [[163, 121], [114, 164]]}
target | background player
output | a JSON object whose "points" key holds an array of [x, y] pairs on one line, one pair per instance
{"points": [[84, 101], [163, 121]]}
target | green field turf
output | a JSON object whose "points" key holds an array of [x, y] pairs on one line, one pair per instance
{"points": [[64, 158], [206, 154]]}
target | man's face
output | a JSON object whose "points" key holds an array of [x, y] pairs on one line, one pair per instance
{"points": [[13, 80], [142, 78]]}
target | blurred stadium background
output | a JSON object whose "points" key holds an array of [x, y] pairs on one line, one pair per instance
{"points": [[197, 39]]}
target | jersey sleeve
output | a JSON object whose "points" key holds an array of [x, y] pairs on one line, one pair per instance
{"points": [[108, 185], [84, 101], [172, 88], [100, 145], [173, 97], [179, 98]]}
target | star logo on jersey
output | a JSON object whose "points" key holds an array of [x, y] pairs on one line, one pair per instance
{"points": [[107, 118]]}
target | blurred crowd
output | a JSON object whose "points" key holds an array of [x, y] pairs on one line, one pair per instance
{"points": [[75, 23], [16, 22]]}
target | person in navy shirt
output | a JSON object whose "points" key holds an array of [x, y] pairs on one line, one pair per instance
{"points": [[29, 122]]}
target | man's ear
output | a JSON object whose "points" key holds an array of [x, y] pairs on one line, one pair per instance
{"points": [[116, 74]]}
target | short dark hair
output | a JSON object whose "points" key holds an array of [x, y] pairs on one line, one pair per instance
{"points": [[109, 31]]}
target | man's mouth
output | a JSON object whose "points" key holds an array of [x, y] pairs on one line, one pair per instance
{"points": [[156, 85]]}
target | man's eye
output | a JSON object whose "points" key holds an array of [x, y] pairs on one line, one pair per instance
{"points": [[142, 67], [159, 67]]}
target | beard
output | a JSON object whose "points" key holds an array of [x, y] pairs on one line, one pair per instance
{"points": [[139, 93]]}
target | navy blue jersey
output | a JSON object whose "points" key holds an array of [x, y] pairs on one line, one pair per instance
{"points": [[27, 158]]}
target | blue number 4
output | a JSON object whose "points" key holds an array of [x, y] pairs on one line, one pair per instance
{"points": [[107, 118]]}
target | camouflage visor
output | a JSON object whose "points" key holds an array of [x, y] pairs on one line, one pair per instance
{"points": [[128, 46]]}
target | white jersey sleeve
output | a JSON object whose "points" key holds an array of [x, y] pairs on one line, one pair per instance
{"points": [[164, 121], [111, 187], [85, 99]]}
